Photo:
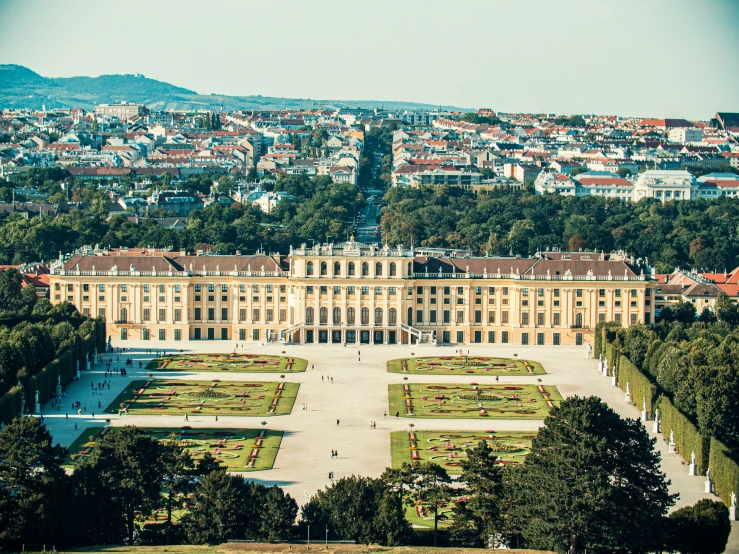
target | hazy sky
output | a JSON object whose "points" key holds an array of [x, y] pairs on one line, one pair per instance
{"points": [[676, 58]]}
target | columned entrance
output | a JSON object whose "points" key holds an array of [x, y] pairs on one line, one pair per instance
{"points": [[336, 336], [322, 336], [364, 337], [379, 337]]}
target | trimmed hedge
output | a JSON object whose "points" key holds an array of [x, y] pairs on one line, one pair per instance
{"points": [[10, 404], [687, 437], [604, 330], [724, 470], [640, 386]]}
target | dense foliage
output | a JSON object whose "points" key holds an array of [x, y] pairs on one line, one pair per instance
{"points": [[697, 233]]}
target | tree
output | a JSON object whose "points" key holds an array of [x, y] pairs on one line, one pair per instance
{"points": [[703, 528], [128, 465], [179, 476], [31, 484], [278, 518], [685, 312], [477, 513], [10, 291], [726, 310], [667, 314], [431, 485], [592, 481]]}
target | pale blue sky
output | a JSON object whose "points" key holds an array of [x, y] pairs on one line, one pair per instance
{"points": [[675, 58]]}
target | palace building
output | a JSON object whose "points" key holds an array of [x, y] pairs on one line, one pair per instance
{"points": [[354, 293]]}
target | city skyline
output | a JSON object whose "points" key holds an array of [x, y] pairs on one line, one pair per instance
{"points": [[538, 66]]}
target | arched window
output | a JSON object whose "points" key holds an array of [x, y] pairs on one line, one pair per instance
{"points": [[350, 316], [393, 273], [309, 316], [323, 316], [337, 316], [365, 316], [365, 269], [124, 315], [378, 269], [578, 320], [378, 316], [337, 269], [392, 316], [410, 316], [351, 268], [309, 268], [324, 269]]}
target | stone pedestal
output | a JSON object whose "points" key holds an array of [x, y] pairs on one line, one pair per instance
{"points": [[613, 381], [691, 469], [671, 448], [605, 371], [708, 486], [656, 427], [732, 514], [58, 391], [627, 398], [37, 408], [644, 415], [87, 365]]}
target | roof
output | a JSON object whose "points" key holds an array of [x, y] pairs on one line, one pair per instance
{"points": [[165, 262]]}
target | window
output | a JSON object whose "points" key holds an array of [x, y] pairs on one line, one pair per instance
{"points": [[146, 315], [242, 314], [350, 290], [197, 288], [337, 290], [323, 290], [309, 316], [601, 293], [337, 268], [540, 303], [255, 288], [460, 300], [393, 272], [337, 316], [419, 316], [309, 290], [124, 315], [491, 337], [378, 316], [556, 293], [378, 290], [447, 316], [350, 316], [162, 334], [324, 269], [378, 269], [211, 314], [242, 334], [491, 316], [161, 299], [177, 314], [478, 316], [365, 269], [478, 290], [633, 293], [86, 312], [224, 314], [242, 288], [540, 318], [578, 293], [634, 319], [255, 315], [392, 316], [309, 268], [555, 339], [524, 292], [176, 298], [197, 314], [365, 290], [540, 339], [269, 315], [323, 315], [161, 289], [617, 292], [460, 316], [85, 288], [539, 292], [504, 337], [525, 318], [124, 288], [146, 288], [255, 334], [601, 317], [101, 312], [145, 334], [617, 318], [524, 338], [365, 316], [524, 302], [392, 291], [555, 317], [70, 288], [505, 291], [419, 290], [504, 317], [491, 291], [177, 334], [460, 290], [351, 268]]}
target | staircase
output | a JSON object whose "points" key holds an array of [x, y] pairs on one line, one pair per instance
{"points": [[423, 338], [285, 334]]}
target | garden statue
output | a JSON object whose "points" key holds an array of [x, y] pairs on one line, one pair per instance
{"points": [[692, 457], [691, 466], [672, 437], [708, 474], [671, 445], [733, 500]]}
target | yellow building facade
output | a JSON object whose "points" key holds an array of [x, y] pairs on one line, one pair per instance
{"points": [[354, 293]]}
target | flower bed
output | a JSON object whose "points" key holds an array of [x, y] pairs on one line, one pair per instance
{"points": [[260, 363], [454, 365]]}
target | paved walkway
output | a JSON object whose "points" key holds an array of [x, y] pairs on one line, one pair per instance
{"points": [[357, 396]]}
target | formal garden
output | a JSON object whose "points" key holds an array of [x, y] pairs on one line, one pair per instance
{"points": [[216, 397], [456, 365], [438, 400], [447, 448], [234, 449], [243, 363]]}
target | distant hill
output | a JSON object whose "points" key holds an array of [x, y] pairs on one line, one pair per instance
{"points": [[21, 87]]}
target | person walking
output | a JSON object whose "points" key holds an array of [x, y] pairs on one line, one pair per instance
{"points": [[186, 418], [337, 422]]}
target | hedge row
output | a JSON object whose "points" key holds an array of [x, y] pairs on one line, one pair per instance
{"points": [[10, 404], [604, 330], [640, 387], [724, 470], [687, 437]]}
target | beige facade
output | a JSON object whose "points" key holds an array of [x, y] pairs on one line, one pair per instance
{"points": [[354, 293]]}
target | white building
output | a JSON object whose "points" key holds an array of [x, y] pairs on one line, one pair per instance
{"points": [[685, 134], [666, 185]]}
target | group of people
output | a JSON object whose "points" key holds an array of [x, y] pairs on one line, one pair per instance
{"points": [[328, 378], [373, 425]]}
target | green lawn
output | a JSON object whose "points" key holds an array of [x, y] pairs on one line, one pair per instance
{"points": [[438, 400], [447, 448], [232, 447], [171, 397], [455, 365], [244, 363]]}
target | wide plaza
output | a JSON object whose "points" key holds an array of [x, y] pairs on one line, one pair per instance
{"points": [[338, 398]]}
